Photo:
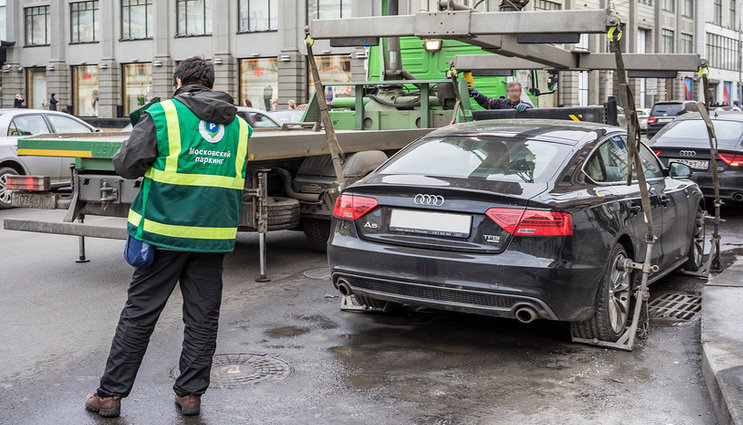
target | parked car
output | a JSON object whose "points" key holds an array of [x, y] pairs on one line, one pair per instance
{"points": [[16, 123], [258, 118], [642, 117], [663, 113], [520, 218], [685, 141], [288, 115]]}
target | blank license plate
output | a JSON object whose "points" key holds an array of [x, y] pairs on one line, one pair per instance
{"points": [[431, 223], [697, 164]]}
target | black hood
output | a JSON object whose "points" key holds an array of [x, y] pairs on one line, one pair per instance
{"points": [[212, 106]]}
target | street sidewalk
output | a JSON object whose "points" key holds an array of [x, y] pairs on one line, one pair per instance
{"points": [[722, 343]]}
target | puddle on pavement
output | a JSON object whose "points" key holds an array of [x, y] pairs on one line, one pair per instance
{"points": [[285, 331]]}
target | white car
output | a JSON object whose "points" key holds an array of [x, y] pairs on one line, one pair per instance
{"points": [[642, 117], [17, 123]]}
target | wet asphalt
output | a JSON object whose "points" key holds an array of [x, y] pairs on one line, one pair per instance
{"points": [[288, 355]]}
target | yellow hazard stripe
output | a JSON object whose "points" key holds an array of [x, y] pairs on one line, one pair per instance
{"points": [[174, 136], [56, 152], [574, 118], [175, 231], [195, 179]]}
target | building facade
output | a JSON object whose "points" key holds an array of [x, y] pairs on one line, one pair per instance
{"points": [[105, 58], [721, 44]]}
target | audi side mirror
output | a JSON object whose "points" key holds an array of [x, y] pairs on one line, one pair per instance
{"points": [[678, 170]]}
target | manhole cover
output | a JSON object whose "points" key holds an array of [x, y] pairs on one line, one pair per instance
{"points": [[675, 306], [321, 274], [238, 369]]}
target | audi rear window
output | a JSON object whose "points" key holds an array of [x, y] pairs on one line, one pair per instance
{"points": [[667, 109], [693, 133], [487, 158]]}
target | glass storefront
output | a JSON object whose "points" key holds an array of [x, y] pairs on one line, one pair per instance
{"points": [[85, 90], [259, 83], [137, 85], [333, 69], [36, 95]]}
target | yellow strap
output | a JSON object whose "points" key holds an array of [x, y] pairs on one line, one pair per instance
{"points": [[206, 180], [610, 33], [242, 148], [309, 41], [174, 136]]}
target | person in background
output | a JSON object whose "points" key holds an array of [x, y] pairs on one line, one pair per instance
{"points": [[292, 104], [513, 101], [267, 95], [53, 102], [247, 103], [18, 101]]}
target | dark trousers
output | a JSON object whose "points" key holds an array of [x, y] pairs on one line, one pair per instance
{"points": [[200, 277]]}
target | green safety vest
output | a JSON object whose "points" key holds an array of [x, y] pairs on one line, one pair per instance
{"points": [[192, 195]]}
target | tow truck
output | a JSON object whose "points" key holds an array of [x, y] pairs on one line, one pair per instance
{"points": [[295, 175]]}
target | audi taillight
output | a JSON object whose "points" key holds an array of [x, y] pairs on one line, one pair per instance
{"points": [[731, 159], [30, 183], [353, 207], [532, 222], [652, 120]]}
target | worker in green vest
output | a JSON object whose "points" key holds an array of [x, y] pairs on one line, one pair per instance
{"points": [[192, 152]]}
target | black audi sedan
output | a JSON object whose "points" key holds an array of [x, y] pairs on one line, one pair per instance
{"points": [[521, 219], [685, 141]]}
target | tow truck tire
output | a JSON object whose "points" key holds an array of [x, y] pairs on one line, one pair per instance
{"points": [[4, 192], [283, 213], [696, 248], [613, 302], [317, 232]]}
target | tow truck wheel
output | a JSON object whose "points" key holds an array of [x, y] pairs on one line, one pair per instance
{"points": [[317, 232], [696, 250], [4, 192], [613, 302]]}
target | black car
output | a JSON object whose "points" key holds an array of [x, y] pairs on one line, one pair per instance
{"points": [[520, 218], [685, 141], [663, 113]]}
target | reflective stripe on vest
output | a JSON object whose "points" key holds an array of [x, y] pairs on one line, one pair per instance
{"points": [[179, 231]]}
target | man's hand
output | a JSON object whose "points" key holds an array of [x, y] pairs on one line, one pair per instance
{"points": [[521, 107], [473, 92]]}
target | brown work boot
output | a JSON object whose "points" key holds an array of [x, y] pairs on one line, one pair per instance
{"points": [[109, 407], [189, 405]]}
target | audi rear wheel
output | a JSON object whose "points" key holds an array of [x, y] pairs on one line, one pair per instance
{"points": [[613, 302]]}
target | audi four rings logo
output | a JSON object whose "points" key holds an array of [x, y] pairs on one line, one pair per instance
{"points": [[688, 153], [432, 200]]}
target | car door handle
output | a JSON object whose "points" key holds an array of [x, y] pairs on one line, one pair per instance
{"points": [[665, 200], [634, 210]]}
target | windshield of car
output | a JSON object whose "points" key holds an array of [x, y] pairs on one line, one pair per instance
{"points": [[666, 109], [690, 133], [487, 158]]}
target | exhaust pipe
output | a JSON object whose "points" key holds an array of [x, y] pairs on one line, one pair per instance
{"points": [[526, 314], [344, 288], [738, 197]]}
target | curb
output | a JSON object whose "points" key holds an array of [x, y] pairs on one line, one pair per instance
{"points": [[722, 343]]}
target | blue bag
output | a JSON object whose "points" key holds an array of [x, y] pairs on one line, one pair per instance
{"points": [[138, 254]]}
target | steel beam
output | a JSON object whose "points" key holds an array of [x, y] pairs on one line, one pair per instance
{"points": [[582, 61], [456, 24], [75, 229], [642, 61]]}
